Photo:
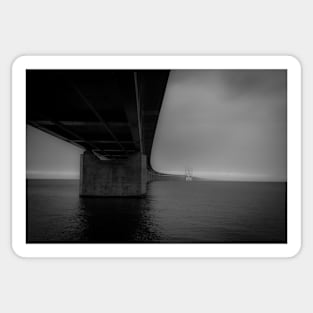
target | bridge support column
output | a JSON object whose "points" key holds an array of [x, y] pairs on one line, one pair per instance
{"points": [[112, 178]]}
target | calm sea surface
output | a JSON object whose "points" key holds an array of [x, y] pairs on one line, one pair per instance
{"points": [[172, 211]]}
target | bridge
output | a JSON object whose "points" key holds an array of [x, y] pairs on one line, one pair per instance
{"points": [[111, 114]]}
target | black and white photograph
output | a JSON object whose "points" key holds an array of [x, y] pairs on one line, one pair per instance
{"points": [[156, 156]]}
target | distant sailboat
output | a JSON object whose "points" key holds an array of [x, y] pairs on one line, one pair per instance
{"points": [[188, 174]]}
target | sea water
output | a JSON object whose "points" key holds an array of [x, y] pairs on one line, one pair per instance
{"points": [[171, 212]]}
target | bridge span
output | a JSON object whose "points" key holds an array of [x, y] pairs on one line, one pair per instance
{"points": [[111, 114]]}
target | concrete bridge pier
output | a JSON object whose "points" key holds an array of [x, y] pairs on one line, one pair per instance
{"points": [[113, 178]]}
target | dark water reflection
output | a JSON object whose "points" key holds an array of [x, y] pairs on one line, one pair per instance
{"points": [[172, 211], [117, 220]]}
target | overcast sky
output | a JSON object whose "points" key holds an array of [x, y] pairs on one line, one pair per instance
{"points": [[225, 124], [50, 157]]}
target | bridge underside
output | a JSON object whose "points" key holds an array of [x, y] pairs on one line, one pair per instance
{"points": [[111, 114]]}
